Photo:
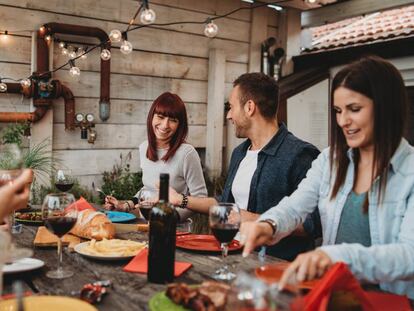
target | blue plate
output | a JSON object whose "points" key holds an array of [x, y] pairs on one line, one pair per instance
{"points": [[120, 216]]}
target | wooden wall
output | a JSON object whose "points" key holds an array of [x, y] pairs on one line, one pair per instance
{"points": [[174, 58]]}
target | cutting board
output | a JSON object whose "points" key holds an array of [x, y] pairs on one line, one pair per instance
{"points": [[44, 238]]}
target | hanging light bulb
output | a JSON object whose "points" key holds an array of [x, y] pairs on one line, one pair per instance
{"points": [[73, 71], [65, 51], [105, 54], [5, 35], [42, 28], [126, 46], [211, 29], [62, 44], [26, 82], [115, 35], [147, 16], [72, 53], [3, 87], [48, 38], [81, 53]]}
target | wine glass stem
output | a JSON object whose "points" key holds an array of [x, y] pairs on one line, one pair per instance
{"points": [[59, 264], [224, 252]]}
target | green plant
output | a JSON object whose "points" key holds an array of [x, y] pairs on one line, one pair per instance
{"points": [[14, 133], [120, 181]]}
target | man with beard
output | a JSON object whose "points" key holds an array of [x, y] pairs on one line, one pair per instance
{"points": [[266, 167]]}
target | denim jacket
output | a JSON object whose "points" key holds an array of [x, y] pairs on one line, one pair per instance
{"points": [[389, 261], [281, 165]]}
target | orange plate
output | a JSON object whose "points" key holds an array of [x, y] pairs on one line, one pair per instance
{"points": [[203, 242], [273, 272]]}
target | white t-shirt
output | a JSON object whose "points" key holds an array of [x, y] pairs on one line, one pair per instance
{"points": [[241, 183]]}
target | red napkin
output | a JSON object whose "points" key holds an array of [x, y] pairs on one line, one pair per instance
{"points": [[340, 278], [81, 205], [139, 264]]}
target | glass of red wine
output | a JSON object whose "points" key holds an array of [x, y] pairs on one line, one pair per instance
{"points": [[147, 198], [64, 180], [224, 220], [59, 214]]}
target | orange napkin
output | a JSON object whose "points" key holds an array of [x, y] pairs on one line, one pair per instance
{"points": [[139, 264], [340, 278], [81, 205]]}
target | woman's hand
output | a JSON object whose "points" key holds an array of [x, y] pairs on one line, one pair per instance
{"points": [[111, 203], [307, 266], [254, 234]]}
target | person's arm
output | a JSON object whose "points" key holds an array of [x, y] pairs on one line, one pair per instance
{"points": [[200, 205], [14, 196], [290, 212]]}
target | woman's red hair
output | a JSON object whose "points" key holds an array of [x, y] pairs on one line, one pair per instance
{"points": [[169, 105]]}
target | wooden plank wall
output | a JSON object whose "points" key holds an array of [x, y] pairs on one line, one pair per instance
{"points": [[173, 58]]}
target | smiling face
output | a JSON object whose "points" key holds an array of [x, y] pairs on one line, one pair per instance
{"points": [[164, 129], [355, 116], [237, 115]]}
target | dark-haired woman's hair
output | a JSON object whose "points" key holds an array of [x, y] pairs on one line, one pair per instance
{"points": [[168, 105], [380, 81]]}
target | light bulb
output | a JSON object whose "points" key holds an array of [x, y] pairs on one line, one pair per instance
{"points": [[115, 35], [147, 16], [72, 54], [105, 54], [126, 47], [65, 51], [48, 38], [3, 87], [211, 30], [81, 52], [26, 82], [74, 71], [61, 44]]}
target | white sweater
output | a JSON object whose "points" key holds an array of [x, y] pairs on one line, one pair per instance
{"points": [[184, 168]]}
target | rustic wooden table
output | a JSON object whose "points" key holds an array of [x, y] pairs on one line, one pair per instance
{"points": [[130, 291]]}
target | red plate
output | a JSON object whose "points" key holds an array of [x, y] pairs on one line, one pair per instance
{"points": [[273, 272], [204, 242]]}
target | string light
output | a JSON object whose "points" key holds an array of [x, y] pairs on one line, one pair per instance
{"points": [[72, 52], [5, 35], [126, 46], [26, 82], [147, 17], [211, 29], [3, 87], [115, 35], [105, 54], [275, 7], [81, 53], [73, 71]]}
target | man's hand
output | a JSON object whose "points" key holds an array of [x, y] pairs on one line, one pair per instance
{"points": [[14, 196], [253, 234], [307, 266]]}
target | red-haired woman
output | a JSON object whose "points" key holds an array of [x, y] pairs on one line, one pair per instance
{"points": [[166, 151]]}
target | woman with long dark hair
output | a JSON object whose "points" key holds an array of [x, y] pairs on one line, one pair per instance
{"points": [[363, 186], [166, 151]]}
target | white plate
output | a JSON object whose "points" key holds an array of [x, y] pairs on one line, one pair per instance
{"points": [[25, 264], [79, 249]]}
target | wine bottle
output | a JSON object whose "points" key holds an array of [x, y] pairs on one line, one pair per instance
{"points": [[162, 231]]}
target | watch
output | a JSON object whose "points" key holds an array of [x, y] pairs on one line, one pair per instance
{"points": [[272, 224]]}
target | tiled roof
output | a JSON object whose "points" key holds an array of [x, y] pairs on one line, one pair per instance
{"points": [[376, 27]]}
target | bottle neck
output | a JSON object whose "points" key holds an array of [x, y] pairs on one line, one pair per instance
{"points": [[164, 191]]}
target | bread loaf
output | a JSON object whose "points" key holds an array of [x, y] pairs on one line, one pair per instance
{"points": [[93, 225]]}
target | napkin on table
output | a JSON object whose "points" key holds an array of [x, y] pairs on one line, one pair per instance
{"points": [[139, 264]]}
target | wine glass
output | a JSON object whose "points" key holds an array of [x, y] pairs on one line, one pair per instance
{"points": [[11, 163], [224, 220], [64, 180], [59, 214], [146, 199]]}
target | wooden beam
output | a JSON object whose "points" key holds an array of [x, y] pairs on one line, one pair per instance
{"points": [[339, 11], [289, 36], [215, 112], [258, 34]]}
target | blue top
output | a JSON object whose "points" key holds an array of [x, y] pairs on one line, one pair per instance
{"points": [[354, 223], [389, 259], [281, 165]]}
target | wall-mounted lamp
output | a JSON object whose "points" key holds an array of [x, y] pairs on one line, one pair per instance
{"points": [[85, 123]]}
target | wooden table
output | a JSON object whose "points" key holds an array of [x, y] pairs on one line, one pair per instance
{"points": [[130, 291]]}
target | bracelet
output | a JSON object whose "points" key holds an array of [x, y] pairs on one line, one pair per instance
{"points": [[272, 224], [184, 202], [127, 206]]}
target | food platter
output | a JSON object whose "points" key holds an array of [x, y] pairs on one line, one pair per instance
{"points": [[29, 218], [82, 249]]}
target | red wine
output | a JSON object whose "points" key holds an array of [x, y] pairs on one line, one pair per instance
{"points": [[64, 186], [162, 231], [145, 210], [225, 233], [60, 225]]}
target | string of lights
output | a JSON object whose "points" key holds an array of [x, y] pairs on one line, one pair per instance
{"points": [[147, 19]]}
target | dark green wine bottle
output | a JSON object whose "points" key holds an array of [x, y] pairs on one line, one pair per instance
{"points": [[162, 231]]}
